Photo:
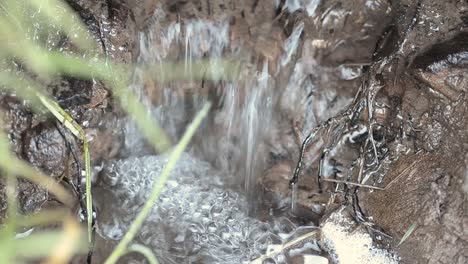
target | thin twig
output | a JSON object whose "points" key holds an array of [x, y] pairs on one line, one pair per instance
{"points": [[352, 183], [145, 251], [403, 172], [300, 161], [76, 186], [282, 247], [309, 138], [76, 129]]}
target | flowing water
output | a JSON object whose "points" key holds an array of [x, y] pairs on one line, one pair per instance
{"points": [[211, 209]]}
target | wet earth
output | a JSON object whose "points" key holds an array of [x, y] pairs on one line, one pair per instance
{"points": [[369, 94]]}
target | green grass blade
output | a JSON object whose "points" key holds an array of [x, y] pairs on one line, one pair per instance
{"points": [[61, 115], [39, 245], [44, 217], [76, 129], [145, 251], [158, 186], [155, 135], [9, 230], [208, 69], [114, 76], [22, 87], [66, 20], [408, 233], [89, 197], [69, 244], [15, 11], [11, 192]]}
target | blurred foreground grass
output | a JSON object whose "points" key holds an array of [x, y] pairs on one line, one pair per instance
{"points": [[38, 63]]}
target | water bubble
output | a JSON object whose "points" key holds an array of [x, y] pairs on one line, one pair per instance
{"points": [[191, 219]]}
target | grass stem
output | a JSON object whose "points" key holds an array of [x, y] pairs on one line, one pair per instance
{"points": [[122, 247]]}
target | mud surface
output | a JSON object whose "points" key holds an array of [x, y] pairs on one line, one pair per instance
{"points": [[412, 59]]}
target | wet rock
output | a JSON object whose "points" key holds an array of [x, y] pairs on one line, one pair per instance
{"points": [[45, 148], [142, 10], [30, 198], [269, 46], [336, 34], [71, 92], [15, 120], [351, 33], [444, 67], [278, 193], [106, 142], [112, 24], [276, 178]]}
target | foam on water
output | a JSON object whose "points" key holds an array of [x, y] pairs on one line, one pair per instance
{"points": [[197, 218], [350, 245]]}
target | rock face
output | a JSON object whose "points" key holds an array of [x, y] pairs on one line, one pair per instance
{"points": [[46, 149]]}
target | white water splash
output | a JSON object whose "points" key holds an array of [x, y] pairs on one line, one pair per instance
{"points": [[347, 244], [290, 45], [310, 6], [197, 218]]}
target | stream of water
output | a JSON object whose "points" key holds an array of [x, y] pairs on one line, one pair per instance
{"points": [[210, 210]]}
